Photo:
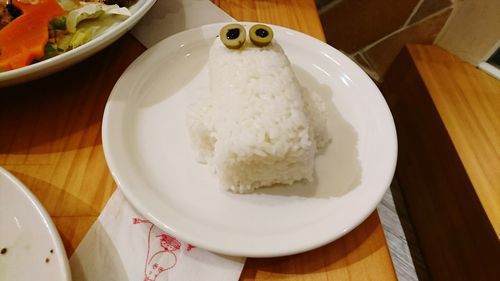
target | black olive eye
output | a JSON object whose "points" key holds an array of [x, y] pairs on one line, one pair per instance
{"points": [[233, 35], [261, 35]]}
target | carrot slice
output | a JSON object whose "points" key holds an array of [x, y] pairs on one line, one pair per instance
{"points": [[24, 39]]}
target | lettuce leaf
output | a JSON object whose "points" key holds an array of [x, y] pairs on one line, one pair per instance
{"points": [[92, 11], [80, 37]]}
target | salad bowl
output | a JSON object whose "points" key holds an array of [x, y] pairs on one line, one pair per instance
{"points": [[68, 58]]}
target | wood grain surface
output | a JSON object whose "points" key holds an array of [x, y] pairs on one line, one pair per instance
{"points": [[444, 109], [295, 14], [468, 102], [50, 138]]}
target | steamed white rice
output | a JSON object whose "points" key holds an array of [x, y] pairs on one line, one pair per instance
{"points": [[256, 126]]}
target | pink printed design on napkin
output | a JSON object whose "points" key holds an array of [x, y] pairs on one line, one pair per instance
{"points": [[161, 249], [122, 245]]}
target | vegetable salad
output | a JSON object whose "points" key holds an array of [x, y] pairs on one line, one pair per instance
{"points": [[47, 28]]}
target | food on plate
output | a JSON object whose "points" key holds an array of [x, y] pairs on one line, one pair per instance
{"points": [[261, 35], [47, 28], [5, 15], [24, 39], [256, 126], [233, 35]]}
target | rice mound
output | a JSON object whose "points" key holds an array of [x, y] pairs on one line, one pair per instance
{"points": [[257, 126]]}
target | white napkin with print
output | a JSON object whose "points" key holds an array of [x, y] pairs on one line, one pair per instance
{"points": [[122, 245]]}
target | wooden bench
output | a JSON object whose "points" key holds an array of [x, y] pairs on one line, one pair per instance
{"points": [[447, 115]]}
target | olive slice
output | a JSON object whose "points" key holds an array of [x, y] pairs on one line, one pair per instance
{"points": [[233, 35], [261, 35]]}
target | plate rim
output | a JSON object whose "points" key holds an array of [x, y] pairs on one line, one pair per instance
{"points": [[50, 226], [255, 253]]}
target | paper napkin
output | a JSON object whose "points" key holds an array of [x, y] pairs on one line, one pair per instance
{"points": [[122, 245], [168, 17]]}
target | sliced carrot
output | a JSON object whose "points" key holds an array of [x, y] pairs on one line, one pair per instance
{"points": [[23, 40]]}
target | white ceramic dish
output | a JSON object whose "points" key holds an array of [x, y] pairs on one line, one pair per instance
{"points": [[49, 66], [33, 248], [148, 151]]}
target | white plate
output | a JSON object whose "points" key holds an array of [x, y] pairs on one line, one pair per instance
{"points": [[49, 66], [148, 151], [34, 250]]}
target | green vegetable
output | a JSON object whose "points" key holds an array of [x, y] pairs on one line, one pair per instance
{"points": [[50, 50], [58, 23], [261, 35], [68, 5], [92, 11], [233, 35], [80, 37]]}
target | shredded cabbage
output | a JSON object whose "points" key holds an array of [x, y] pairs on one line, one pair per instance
{"points": [[92, 11], [69, 5], [87, 22], [80, 37]]}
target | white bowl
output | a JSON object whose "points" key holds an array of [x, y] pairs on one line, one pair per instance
{"points": [[32, 247], [49, 66]]}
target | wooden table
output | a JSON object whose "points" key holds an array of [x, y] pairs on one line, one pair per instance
{"points": [[447, 115], [50, 138]]}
